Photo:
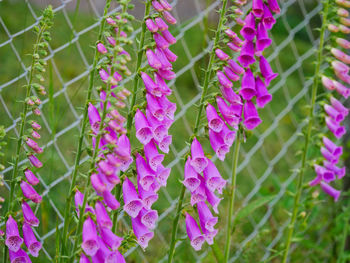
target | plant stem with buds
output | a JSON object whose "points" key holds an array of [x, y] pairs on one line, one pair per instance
{"points": [[308, 133]]}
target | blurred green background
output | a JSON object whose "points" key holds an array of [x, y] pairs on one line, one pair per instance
{"points": [[267, 158]]}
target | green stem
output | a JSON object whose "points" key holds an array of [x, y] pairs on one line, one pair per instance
{"points": [[176, 224], [138, 67], [308, 134], [207, 77], [20, 137], [81, 136], [341, 257], [232, 197], [92, 168]]}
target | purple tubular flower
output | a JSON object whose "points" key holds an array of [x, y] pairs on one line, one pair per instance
{"points": [[263, 40], [102, 217], [35, 135], [101, 48], [132, 203], [247, 54], [194, 233], [13, 239], [330, 191], [221, 54], [340, 55], [251, 117], [28, 214], [19, 256], [234, 47], [199, 194], [84, 259], [167, 74], [97, 183], [169, 37], [268, 18], [154, 159], [206, 219], [151, 26], [165, 143], [235, 67], [111, 40], [273, 4], [333, 113], [228, 136], [145, 175], [247, 90], [212, 177], [340, 67], [143, 130], [161, 24], [248, 31], [159, 129], [329, 156], [110, 239], [340, 172], [110, 200], [262, 95], [327, 83], [162, 175], [90, 243], [149, 218], [257, 8], [154, 107], [35, 161], [230, 74], [332, 147], [343, 43], [335, 128], [160, 41], [214, 120], [150, 85], [170, 55], [224, 81], [191, 181], [213, 200], [149, 197], [157, 6], [169, 18], [341, 89], [142, 234], [94, 118], [78, 200], [266, 70], [166, 5], [231, 114], [339, 106], [31, 178], [218, 145], [166, 65], [152, 59], [30, 193], [324, 173], [165, 90], [30, 240], [199, 162], [169, 107], [230, 33], [230, 95]]}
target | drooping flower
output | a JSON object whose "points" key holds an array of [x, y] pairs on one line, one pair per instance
{"points": [[13, 239], [90, 243], [30, 240], [194, 233]]}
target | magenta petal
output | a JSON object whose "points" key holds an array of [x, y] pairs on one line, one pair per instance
{"points": [[199, 161], [206, 219], [90, 243], [330, 191], [212, 177], [142, 234], [214, 120], [143, 130], [247, 90], [132, 203], [191, 181], [262, 95], [251, 117], [194, 233], [247, 54], [145, 174], [13, 239], [28, 214], [30, 240], [149, 218]]}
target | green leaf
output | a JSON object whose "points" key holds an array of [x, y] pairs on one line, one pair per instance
{"points": [[250, 208]]}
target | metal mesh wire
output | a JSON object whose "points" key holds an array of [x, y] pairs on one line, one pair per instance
{"points": [[265, 160]]}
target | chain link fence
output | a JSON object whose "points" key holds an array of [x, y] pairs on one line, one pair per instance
{"points": [[266, 160]]}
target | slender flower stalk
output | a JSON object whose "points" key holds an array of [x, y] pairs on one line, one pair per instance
{"points": [[79, 151], [31, 102], [232, 198], [207, 77], [310, 118], [140, 52]]}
